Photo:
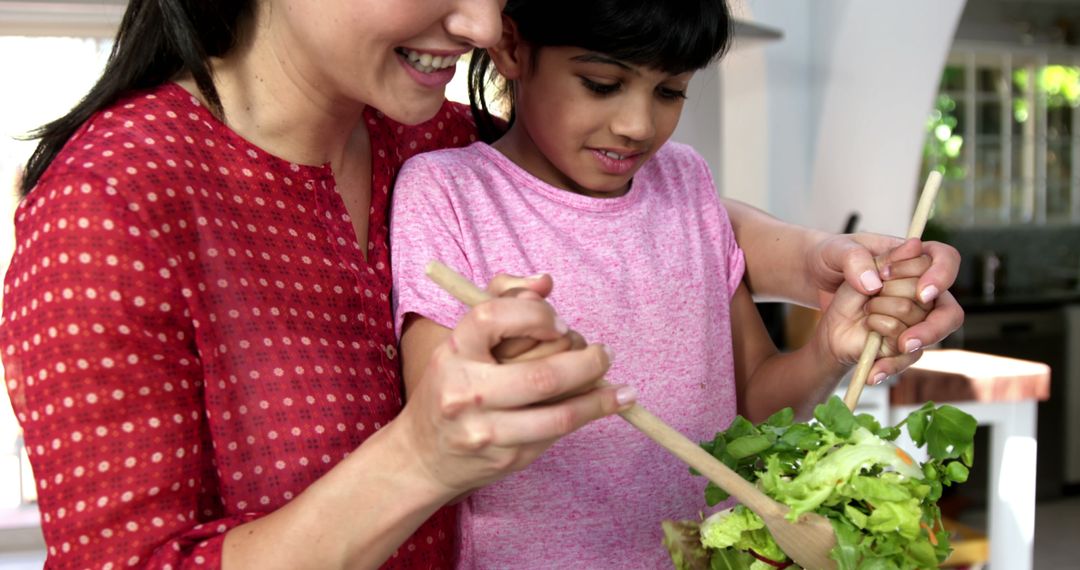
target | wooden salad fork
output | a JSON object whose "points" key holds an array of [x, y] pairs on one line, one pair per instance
{"points": [[873, 339], [807, 541]]}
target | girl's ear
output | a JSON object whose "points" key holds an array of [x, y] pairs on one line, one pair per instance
{"points": [[510, 53]]}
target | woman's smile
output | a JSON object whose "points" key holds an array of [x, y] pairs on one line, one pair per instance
{"points": [[433, 70]]}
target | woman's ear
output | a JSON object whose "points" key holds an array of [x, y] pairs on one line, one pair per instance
{"points": [[509, 55]]}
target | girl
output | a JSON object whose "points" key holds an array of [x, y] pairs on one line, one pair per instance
{"points": [[583, 185]]}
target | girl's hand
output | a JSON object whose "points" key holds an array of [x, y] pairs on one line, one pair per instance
{"points": [[891, 313], [851, 259], [471, 421]]}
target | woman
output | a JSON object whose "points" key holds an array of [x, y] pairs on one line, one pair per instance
{"points": [[197, 344]]}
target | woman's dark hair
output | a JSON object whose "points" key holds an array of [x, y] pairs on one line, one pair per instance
{"points": [[671, 35], [157, 40]]}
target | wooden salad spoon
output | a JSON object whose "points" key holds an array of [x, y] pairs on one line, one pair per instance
{"points": [[873, 339], [807, 541]]}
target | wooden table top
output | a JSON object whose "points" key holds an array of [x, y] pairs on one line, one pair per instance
{"points": [[951, 375]]}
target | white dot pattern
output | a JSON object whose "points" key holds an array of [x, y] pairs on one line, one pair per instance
{"points": [[192, 335]]}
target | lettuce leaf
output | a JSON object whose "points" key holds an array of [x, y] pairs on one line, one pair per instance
{"points": [[880, 501]]}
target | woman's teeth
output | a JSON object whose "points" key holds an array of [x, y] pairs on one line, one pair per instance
{"points": [[427, 63], [614, 155]]}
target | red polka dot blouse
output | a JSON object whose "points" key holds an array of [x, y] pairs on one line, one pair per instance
{"points": [[191, 335]]}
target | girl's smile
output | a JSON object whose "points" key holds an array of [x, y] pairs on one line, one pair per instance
{"points": [[586, 122], [619, 163]]}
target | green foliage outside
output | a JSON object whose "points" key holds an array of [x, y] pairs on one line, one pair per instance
{"points": [[944, 145]]}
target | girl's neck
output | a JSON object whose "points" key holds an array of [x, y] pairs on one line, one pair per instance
{"points": [[517, 146], [512, 147]]}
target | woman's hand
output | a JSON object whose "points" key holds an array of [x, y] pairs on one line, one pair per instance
{"points": [[467, 421], [471, 420], [864, 260], [782, 258]]}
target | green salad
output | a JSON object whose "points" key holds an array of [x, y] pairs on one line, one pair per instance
{"points": [[881, 502]]}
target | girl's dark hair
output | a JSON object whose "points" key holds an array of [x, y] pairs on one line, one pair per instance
{"points": [[671, 35], [157, 40]]}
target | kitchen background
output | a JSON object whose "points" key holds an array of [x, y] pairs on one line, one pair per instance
{"points": [[827, 112], [839, 121]]}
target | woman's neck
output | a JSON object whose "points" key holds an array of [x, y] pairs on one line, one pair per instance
{"points": [[267, 104], [268, 101]]}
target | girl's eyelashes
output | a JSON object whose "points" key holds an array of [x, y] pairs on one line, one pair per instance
{"points": [[598, 87], [673, 94], [601, 88]]}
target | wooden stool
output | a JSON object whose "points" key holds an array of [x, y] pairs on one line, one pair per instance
{"points": [[1001, 393]]}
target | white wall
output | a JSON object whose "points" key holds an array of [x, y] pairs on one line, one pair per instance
{"points": [[830, 118], [735, 112], [791, 76], [883, 70], [700, 125], [744, 129]]}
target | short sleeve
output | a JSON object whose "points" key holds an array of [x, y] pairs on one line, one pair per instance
{"points": [[424, 228], [736, 260]]}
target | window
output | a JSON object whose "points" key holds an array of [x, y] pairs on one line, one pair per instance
{"points": [[1005, 131]]}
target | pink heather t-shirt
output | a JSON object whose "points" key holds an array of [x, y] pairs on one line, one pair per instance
{"points": [[651, 274]]}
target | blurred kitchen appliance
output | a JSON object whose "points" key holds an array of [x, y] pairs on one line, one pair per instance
{"points": [[990, 268], [852, 223]]}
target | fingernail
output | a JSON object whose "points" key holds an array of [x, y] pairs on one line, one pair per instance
{"points": [[870, 280], [560, 326], [879, 378], [536, 276], [928, 294], [626, 395], [609, 353], [912, 345]]}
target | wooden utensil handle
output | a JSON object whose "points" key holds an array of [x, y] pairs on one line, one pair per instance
{"points": [[693, 455], [873, 339], [656, 429]]}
